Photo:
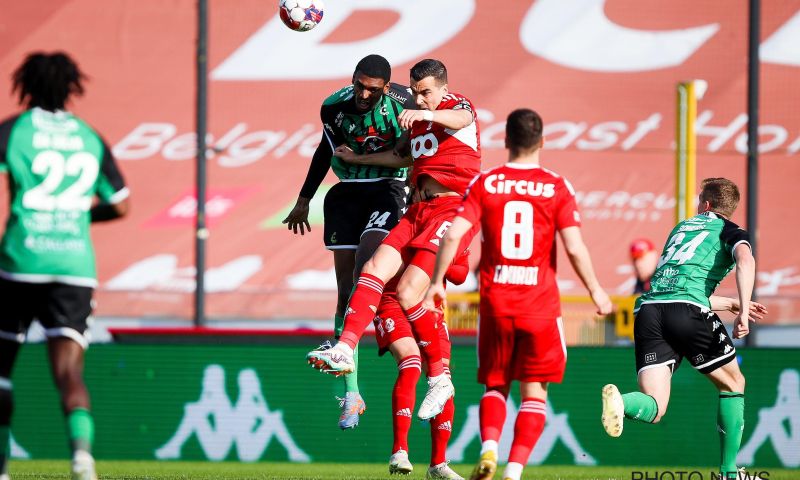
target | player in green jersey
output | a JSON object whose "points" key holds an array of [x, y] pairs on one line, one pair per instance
{"points": [[676, 319], [57, 167], [369, 200]]}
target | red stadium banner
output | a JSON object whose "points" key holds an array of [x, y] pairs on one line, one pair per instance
{"points": [[602, 73]]}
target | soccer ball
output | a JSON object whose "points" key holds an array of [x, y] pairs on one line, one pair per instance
{"points": [[301, 15]]}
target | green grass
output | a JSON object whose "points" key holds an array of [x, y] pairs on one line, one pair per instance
{"points": [[153, 470]]}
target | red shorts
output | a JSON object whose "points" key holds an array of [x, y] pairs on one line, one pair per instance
{"points": [[391, 325], [523, 349], [424, 225]]}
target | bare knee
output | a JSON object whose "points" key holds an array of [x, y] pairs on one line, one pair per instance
{"points": [[736, 383], [371, 267]]}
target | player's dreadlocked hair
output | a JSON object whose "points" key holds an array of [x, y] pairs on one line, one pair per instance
{"points": [[47, 80], [374, 66], [429, 68], [523, 130]]}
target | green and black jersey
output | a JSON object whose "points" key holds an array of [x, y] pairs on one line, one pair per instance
{"points": [[697, 256], [374, 131], [56, 165]]}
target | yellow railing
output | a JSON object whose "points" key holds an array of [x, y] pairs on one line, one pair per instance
{"points": [[582, 326]]}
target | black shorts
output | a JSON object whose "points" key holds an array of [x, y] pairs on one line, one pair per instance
{"points": [[664, 333], [354, 208], [62, 309]]}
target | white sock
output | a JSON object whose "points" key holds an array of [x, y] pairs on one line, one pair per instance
{"points": [[513, 471], [344, 348], [489, 446]]}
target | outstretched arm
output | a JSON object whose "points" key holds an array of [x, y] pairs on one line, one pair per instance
{"points": [[320, 163], [454, 119], [582, 263], [390, 158]]}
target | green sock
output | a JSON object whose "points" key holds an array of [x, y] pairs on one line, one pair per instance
{"points": [[351, 380], [5, 440], [338, 326], [730, 424], [80, 429], [640, 407]]}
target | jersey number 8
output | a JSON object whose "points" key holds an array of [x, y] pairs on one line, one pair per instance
{"points": [[516, 242]]}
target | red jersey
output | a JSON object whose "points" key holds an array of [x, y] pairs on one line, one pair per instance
{"points": [[451, 157], [520, 208]]}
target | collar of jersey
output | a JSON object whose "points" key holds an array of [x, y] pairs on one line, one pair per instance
{"points": [[523, 166]]}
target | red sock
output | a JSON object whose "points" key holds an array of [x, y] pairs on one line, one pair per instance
{"points": [[361, 309], [527, 429], [441, 429], [403, 399], [492, 415], [424, 322]]}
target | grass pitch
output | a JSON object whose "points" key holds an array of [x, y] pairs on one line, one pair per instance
{"points": [[153, 470]]}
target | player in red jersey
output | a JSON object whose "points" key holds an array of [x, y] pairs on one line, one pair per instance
{"points": [[394, 334], [520, 206], [446, 153]]}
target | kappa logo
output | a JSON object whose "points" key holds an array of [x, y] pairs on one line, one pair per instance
{"points": [[350, 311], [778, 424], [727, 349], [722, 337], [716, 324], [556, 429], [404, 412], [219, 425], [446, 426]]}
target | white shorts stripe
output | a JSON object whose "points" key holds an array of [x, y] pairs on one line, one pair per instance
{"points": [[67, 332], [668, 362], [12, 337], [342, 247], [712, 362]]}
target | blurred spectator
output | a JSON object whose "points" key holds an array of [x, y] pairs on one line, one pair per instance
{"points": [[645, 259]]}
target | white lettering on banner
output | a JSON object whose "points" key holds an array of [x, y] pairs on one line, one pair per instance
{"points": [[624, 205], [781, 46], [409, 39], [238, 147], [144, 141], [773, 280], [556, 428], [578, 34], [219, 424], [773, 422], [161, 273], [17, 451]]}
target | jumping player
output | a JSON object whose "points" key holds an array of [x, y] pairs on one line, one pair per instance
{"points": [[369, 199], [676, 319], [519, 206], [446, 152]]}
